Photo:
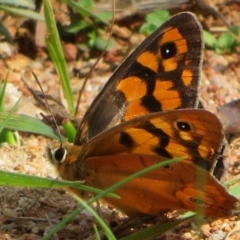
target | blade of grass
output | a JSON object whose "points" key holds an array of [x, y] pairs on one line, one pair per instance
{"points": [[156, 230], [28, 124], [20, 4], [73, 214], [4, 31], [96, 232], [55, 50], [77, 6], [6, 134], [2, 92], [5, 122], [69, 130], [22, 180], [23, 12], [102, 224]]}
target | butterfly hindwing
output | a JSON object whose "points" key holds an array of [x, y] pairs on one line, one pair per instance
{"points": [[166, 134], [149, 139], [160, 190]]}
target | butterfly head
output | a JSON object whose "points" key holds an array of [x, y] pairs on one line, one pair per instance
{"points": [[64, 157], [56, 153]]}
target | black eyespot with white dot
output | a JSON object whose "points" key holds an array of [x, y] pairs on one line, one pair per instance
{"points": [[183, 126], [168, 50]]}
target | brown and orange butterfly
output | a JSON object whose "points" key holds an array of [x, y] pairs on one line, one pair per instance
{"points": [[147, 113]]}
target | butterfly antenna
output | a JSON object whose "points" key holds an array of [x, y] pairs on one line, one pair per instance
{"points": [[96, 62], [57, 130]]}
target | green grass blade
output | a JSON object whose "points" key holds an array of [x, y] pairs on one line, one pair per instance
{"points": [[75, 5], [26, 123], [5, 134], [55, 50], [96, 232], [20, 4], [23, 180], [23, 12], [60, 225], [8, 136], [158, 229], [69, 130], [4, 31], [2, 93], [98, 218], [84, 205]]}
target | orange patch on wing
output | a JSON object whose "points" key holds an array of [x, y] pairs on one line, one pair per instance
{"points": [[134, 109], [170, 64], [143, 144], [170, 35], [149, 60], [177, 150], [162, 86], [182, 46], [187, 77], [186, 136], [205, 152], [161, 93], [163, 124], [170, 104], [132, 87]]}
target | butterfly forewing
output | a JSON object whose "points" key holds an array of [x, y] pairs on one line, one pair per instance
{"points": [[161, 74]]}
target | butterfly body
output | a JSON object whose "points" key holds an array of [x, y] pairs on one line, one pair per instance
{"points": [[146, 114]]}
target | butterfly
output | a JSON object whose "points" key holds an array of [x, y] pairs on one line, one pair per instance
{"points": [[145, 114]]}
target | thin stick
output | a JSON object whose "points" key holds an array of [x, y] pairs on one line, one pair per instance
{"points": [[49, 108]]}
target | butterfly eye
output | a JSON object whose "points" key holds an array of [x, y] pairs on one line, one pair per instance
{"points": [[60, 154], [183, 126], [168, 50], [197, 201]]}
